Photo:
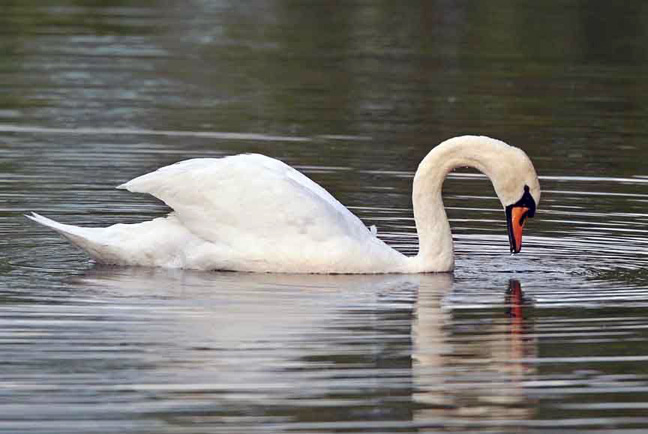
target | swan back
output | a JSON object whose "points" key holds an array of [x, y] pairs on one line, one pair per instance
{"points": [[266, 213]]}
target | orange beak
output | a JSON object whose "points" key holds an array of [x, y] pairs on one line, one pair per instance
{"points": [[516, 220]]}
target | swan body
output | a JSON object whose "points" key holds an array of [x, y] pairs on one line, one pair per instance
{"points": [[254, 213]]}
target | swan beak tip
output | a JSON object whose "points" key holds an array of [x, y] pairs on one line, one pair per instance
{"points": [[516, 219]]}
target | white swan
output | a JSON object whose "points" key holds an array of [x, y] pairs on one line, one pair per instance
{"points": [[255, 213]]}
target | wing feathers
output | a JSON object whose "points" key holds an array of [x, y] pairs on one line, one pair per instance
{"points": [[249, 196]]}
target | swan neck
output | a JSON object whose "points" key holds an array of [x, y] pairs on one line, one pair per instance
{"points": [[436, 253]]}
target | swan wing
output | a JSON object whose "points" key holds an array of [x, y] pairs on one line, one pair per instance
{"points": [[251, 200]]}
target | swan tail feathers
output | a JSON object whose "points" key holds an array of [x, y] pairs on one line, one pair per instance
{"points": [[61, 228], [87, 239]]}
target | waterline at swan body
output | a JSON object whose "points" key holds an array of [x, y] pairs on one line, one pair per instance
{"points": [[254, 213]]}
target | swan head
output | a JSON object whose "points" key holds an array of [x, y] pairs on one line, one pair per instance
{"points": [[509, 169], [516, 184]]}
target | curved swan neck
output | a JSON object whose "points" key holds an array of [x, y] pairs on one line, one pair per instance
{"points": [[436, 252]]}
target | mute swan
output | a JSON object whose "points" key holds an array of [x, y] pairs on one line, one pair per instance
{"points": [[254, 213]]}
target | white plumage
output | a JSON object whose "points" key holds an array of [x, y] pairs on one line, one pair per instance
{"points": [[254, 213]]}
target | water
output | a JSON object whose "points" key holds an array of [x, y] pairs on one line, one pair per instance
{"points": [[93, 95]]}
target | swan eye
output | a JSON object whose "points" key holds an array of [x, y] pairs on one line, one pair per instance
{"points": [[528, 202]]}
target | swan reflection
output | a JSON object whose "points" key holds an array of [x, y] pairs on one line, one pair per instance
{"points": [[316, 347], [470, 365]]}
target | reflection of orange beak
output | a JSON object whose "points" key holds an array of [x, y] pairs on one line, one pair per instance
{"points": [[517, 219]]}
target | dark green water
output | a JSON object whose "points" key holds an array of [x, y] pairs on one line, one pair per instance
{"points": [[354, 94]]}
